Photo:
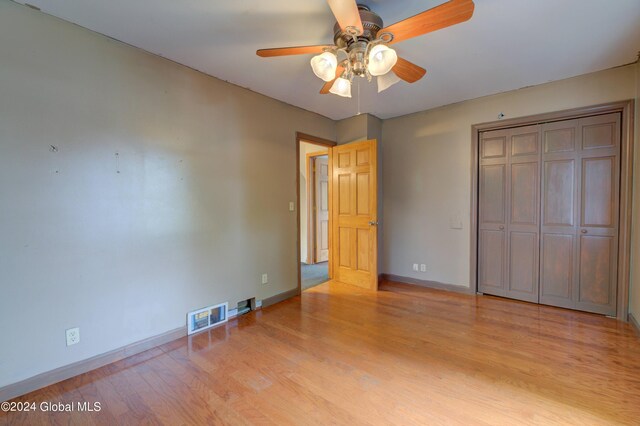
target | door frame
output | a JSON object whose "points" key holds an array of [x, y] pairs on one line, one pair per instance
{"points": [[626, 108], [303, 137], [311, 213]]}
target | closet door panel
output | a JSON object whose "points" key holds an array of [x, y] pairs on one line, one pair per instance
{"points": [[509, 182], [597, 272], [558, 246], [492, 262], [492, 213], [598, 192], [525, 143], [560, 138], [559, 193], [599, 211], [493, 193], [557, 270], [524, 194], [493, 145], [524, 213], [523, 266]]}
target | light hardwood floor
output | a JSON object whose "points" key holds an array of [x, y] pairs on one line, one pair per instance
{"points": [[341, 355]]}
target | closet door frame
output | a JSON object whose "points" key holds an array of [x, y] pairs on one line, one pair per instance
{"points": [[626, 108]]}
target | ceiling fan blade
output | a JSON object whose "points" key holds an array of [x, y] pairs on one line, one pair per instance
{"points": [[296, 50], [408, 71], [327, 86], [346, 13], [447, 14]]}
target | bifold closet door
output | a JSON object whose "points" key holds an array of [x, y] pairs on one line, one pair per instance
{"points": [[508, 240], [580, 209]]}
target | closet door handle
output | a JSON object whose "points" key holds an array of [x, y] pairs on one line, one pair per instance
{"points": [[501, 227], [584, 231]]}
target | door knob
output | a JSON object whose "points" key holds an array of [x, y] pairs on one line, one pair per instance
{"points": [[373, 223], [584, 231], [501, 227]]}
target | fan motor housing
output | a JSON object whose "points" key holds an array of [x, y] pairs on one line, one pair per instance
{"points": [[371, 24]]}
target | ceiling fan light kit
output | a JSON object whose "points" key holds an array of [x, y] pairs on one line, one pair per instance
{"points": [[381, 60], [341, 87], [324, 66], [387, 80], [361, 45]]}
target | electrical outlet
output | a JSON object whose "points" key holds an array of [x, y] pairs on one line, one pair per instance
{"points": [[73, 336], [423, 267], [292, 206], [265, 279], [415, 267]]}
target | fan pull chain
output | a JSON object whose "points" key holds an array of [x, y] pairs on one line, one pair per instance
{"points": [[358, 113]]}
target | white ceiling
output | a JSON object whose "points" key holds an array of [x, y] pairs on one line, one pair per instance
{"points": [[507, 44]]}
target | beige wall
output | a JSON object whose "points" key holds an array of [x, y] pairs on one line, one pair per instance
{"points": [[169, 191], [352, 129], [634, 296], [427, 160], [305, 148]]}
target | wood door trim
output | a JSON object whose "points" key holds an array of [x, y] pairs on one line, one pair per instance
{"points": [[303, 137], [311, 217], [626, 109]]}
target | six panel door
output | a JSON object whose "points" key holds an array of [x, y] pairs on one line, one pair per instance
{"points": [[354, 218]]}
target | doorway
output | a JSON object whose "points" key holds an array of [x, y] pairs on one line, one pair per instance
{"points": [[313, 213]]}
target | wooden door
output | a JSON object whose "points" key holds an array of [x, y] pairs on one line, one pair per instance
{"points": [[523, 242], [598, 207], [492, 208], [580, 209], [558, 248], [548, 211], [508, 213], [353, 171], [321, 208]]}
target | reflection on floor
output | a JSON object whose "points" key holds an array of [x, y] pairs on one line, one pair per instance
{"points": [[313, 275]]}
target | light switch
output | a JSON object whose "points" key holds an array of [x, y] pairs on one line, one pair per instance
{"points": [[292, 206]]}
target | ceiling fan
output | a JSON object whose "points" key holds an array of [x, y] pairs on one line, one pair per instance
{"points": [[361, 45]]}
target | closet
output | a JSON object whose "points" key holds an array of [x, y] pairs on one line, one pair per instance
{"points": [[548, 212]]}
